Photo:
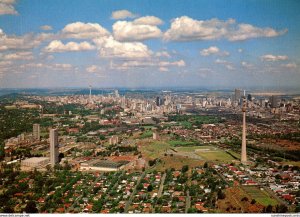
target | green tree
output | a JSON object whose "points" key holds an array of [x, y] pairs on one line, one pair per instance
{"points": [[281, 208], [31, 207], [150, 188], [205, 165], [185, 168], [269, 209]]}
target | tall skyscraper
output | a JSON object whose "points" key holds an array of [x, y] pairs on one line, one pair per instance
{"points": [[274, 101], [117, 94], [244, 149], [158, 101], [36, 131], [90, 96], [237, 95], [53, 147]]}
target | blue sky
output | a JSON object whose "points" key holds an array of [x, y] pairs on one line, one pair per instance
{"points": [[154, 43]]}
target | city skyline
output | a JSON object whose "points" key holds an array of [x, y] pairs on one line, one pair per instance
{"points": [[154, 44]]}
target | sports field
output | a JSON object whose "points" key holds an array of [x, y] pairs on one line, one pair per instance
{"points": [[260, 196], [180, 143], [213, 154], [193, 148], [210, 153]]}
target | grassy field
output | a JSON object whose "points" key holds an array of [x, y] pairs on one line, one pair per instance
{"points": [[216, 156], [176, 163], [186, 124], [180, 143], [10, 107], [260, 196], [212, 153], [192, 148], [154, 149], [146, 134], [148, 127], [237, 155], [294, 163]]}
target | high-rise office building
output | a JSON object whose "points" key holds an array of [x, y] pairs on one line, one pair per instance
{"points": [[36, 131], [158, 101], [249, 97], [237, 95], [117, 94], [53, 147], [274, 101], [90, 95]]}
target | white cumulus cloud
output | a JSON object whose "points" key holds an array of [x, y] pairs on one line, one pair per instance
{"points": [[26, 55], [148, 20], [289, 65], [7, 7], [81, 30], [273, 58], [213, 50], [55, 66], [58, 46], [227, 64], [246, 64], [109, 47], [122, 14], [93, 69], [163, 69], [46, 27], [12, 42], [128, 31], [162, 54], [187, 29]]}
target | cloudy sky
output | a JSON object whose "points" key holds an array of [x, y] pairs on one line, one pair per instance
{"points": [[149, 43]]}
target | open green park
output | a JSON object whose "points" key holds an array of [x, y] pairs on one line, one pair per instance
{"points": [[209, 153], [259, 195]]}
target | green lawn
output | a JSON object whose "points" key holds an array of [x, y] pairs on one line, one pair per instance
{"points": [[214, 154], [186, 124], [193, 148], [210, 153], [146, 134], [237, 155], [180, 143], [148, 127], [260, 196], [10, 107], [155, 149]]}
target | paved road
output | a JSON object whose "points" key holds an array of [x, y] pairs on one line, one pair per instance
{"points": [[187, 201], [128, 202], [161, 187]]}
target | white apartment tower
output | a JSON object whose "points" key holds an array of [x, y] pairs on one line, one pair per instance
{"points": [[53, 147], [36, 132]]}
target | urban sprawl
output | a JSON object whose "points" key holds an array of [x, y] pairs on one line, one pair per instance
{"points": [[150, 152]]}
